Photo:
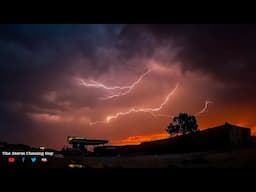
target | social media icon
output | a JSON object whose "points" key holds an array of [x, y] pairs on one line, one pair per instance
{"points": [[44, 160], [23, 159], [11, 159], [33, 159]]}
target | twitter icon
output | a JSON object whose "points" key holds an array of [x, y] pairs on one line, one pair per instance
{"points": [[33, 159]]}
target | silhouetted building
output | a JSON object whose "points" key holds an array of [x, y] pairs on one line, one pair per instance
{"points": [[224, 137], [82, 143]]}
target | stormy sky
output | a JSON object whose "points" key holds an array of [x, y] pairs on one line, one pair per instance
{"points": [[53, 79]]}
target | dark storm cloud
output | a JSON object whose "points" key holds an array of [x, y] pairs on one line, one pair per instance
{"points": [[226, 52], [35, 58], [30, 53], [40, 60], [15, 126]]}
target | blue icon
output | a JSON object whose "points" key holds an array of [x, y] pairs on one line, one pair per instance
{"points": [[33, 159], [23, 159]]}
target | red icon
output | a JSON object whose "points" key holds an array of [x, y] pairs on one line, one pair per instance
{"points": [[11, 159]]}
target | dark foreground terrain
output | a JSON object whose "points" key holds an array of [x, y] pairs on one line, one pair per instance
{"points": [[244, 158], [233, 159]]}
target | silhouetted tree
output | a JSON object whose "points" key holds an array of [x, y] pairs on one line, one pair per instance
{"points": [[183, 124]]}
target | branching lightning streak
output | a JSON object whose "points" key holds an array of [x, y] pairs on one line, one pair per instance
{"points": [[97, 84], [204, 110], [128, 88], [134, 110]]}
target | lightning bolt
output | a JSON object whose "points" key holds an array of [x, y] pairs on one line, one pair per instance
{"points": [[127, 89], [97, 84], [134, 110], [150, 110], [204, 110]]}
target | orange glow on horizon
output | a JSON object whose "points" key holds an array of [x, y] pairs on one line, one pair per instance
{"points": [[134, 140], [138, 139]]}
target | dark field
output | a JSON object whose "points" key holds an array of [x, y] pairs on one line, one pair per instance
{"points": [[233, 159]]}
